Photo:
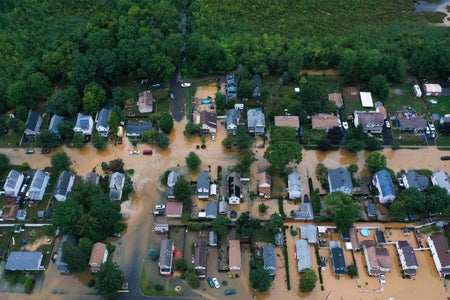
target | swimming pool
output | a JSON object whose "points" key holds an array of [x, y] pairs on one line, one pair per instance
{"points": [[365, 232]]}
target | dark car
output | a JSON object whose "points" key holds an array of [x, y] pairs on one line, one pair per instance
{"points": [[119, 140], [45, 151], [229, 292], [210, 282], [158, 213], [445, 157]]}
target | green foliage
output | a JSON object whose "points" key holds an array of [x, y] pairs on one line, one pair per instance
{"points": [[166, 123], [162, 141], [28, 285], [379, 86], [260, 279], [193, 161], [60, 162], [78, 140], [246, 160], [228, 142], [375, 162], [408, 201], [345, 212], [192, 129], [322, 175], [355, 145], [116, 165], [220, 225], [283, 148], [72, 255], [352, 270], [181, 264], [324, 145], [246, 225], [65, 129], [91, 283], [192, 280], [352, 169], [262, 208], [65, 103], [47, 139], [154, 254], [99, 142], [242, 139], [85, 246], [109, 279], [94, 98], [308, 281], [4, 161], [182, 191]]}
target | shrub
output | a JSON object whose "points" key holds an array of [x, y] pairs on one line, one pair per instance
{"points": [[28, 285], [91, 283], [110, 248], [262, 208], [159, 288]]}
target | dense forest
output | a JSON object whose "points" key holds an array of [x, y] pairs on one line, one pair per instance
{"points": [[71, 44]]}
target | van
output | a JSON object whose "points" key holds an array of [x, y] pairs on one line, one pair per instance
{"points": [[417, 91], [147, 152]]}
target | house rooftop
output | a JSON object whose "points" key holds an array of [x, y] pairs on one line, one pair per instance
{"points": [[287, 121]]}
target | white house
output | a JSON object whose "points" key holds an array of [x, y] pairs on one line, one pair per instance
{"points": [[101, 120], [440, 253], [84, 124], [383, 182], [294, 186], [64, 185], [13, 183]]}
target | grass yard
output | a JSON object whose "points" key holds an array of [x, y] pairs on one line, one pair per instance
{"points": [[12, 140], [401, 97], [442, 107], [163, 107]]}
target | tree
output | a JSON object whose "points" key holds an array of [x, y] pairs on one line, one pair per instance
{"points": [[181, 264], [308, 281], [408, 201], [246, 160], [166, 123], [352, 270], [242, 139], [65, 103], [182, 190], [99, 142], [47, 139], [375, 162], [4, 161], [66, 215], [192, 280], [283, 148], [89, 226], [345, 212], [73, 257], [78, 140], [192, 129], [260, 279], [116, 165], [193, 161], [379, 86], [437, 200], [60, 162], [109, 279], [154, 254], [65, 129], [220, 225], [85, 246], [275, 224], [94, 98], [262, 208], [228, 142], [162, 140], [355, 145], [246, 225], [373, 144], [324, 145]]}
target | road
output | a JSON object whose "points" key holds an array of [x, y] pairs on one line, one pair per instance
{"points": [[178, 104]]}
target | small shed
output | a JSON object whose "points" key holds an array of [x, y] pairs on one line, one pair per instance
{"points": [[366, 99], [371, 209], [213, 189], [212, 241], [381, 240], [223, 207]]}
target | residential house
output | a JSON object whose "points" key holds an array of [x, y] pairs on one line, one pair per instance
{"points": [[38, 185], [55, 120], [99, 255], [258, 85], [294, 186], [33, 125], [336, 98], [354, 239], [84, 124], [92, 177], [383, 182], [64, 185], [145, 102], [24, 261], [309, 233], [410, 122], [61, 265], [200, 255], [440, 253], [413, 180], [136, 129], [234, 188], [371, 121], [337, 258], [231, 86], [256, 122], [174, 209], [305, 212], [324, 121], [172, 179], [161, 228], [264, 185], [381, 109], [13, 183], [432, 89], [303, 255], [234, 257], [223, 207], [211, 210], [340, 180], [116, 183], [408, 259], [287, 121], [203, 185], [232, 120], [165, 263], [207, 121], [101, 120], [441, 179], [378, 259], [366, 99], [270, 263]]}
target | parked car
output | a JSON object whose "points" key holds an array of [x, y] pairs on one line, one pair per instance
{"points": [[186, 84], [433, 134], [147, 152], [427, 131], [388, 124], [382, 279], [160, 206], [345, 126], [229, 292], [29, 152], [45, 151], [210, 282], [445, 157], [213, 137], [135, 152], [158, 213], [119, 141], [172, 96], [431, 125], [216, 283]]}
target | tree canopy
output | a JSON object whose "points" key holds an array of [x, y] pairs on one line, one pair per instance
{"points": [[343, 209], [60, 162], [283, 148], [375, 162], [166, 123], [260, 279], [109, 279], [308, 280], [193, 161], [182, 191]]}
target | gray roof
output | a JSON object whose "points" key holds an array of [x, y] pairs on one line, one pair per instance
{"points": [[54, 122], [234, 184], [258, 81], [61, 265], [413, 180], [137, 128], [24, 261], [270, 263], [203, 182], [92, 177], [412, 123], [211, 210], [338, 260], [117, 180], [303, 255], [255, 120], [232, 120], [103, 117], [294, 185], [408, 258], [208, 118], [172, 179], [309, 233], [441, 179], [383, 177], [12, 180], [305, 213], [33, 124], [223, 205], [63, 187], [38, 185], [200, 255], [165, 254], [340, 179], [372, 209]]}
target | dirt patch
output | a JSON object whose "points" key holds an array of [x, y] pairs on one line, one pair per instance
{"points": [[320, 72], [43, 240]]}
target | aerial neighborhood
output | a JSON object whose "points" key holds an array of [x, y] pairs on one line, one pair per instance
{"points": [[217, 153]]}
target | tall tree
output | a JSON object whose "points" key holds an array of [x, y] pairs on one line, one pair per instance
{"points": [[283, 148], [182, 190], [99, 142], [193, 161], [242, 139], [379, 86], [47, 139], [94, 98], [65, 129], [73, 257], [78, 140], [4, 161], [220, 225], [109, 279], [408, 201], [60, 162], [66, 215], [166, 123], [65, 103], [437, 200], [345, 212], [308, 281], [375, 162], [85, 246], [260, 279]]}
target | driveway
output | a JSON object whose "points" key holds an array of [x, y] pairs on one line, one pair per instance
{"points": [[178, 104]]}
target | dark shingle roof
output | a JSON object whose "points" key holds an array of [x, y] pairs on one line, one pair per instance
{"points": [[338, 259], [269, 259], [22, 261]]}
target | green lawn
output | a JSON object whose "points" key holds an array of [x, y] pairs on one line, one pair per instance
{"points": [[442, 107], [401, 97]]}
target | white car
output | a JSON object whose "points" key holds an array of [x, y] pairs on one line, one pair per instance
{"points": [[382, 279], [216, 283], [185, 84], [431, 125], [388, 124], [135, 152], [345, 125], [160, 206], [427, 130], [213, 137]]}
